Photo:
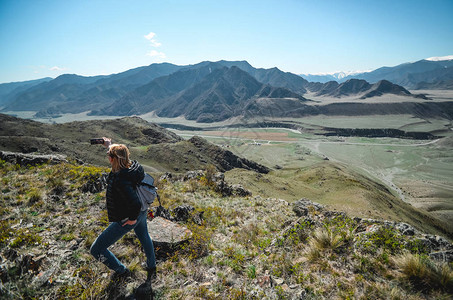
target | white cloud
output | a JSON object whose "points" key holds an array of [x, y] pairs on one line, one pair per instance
{"points": [[154, 53], [150, 37], [57, 69]]}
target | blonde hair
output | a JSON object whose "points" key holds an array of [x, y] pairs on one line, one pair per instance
{"points": [[120, 157]]}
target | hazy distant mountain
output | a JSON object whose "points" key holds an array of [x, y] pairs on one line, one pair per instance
{"points": [[428, 72], [10, 90], [323, 78], [73, 93], [410, 74]]}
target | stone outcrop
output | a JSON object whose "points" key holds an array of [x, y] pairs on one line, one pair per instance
{"points": [[30, 159], [437, 247]]}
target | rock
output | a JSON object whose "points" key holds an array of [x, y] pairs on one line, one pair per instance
{"points": [[160, 211], [193, 175], [444, 256], [405, 229], [43, 278], [277, 281], [223, 188], [219, 176], [264, 281], [182, 213], [30, 159], [95, 186], [301, 207], [167, 176], [167, 236], [240, 191]]}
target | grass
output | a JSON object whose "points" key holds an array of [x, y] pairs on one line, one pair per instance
{"points": [[243, 244], [424, 274]]}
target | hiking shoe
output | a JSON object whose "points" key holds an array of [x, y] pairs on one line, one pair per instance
{"points": [[151, 272], [122, 276], [151, 276], [144, 291]]}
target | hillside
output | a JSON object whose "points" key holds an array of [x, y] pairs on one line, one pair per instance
{"points": [[157, 148], [243, 247]]}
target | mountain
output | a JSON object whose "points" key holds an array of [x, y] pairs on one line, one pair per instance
{"points": [[221, 95], [71, 93], [211, 92], [427, 72], [359, 87], [350, 87], [385, 87], [323, 78], [410, 74], [10, 90], [205, 92]]}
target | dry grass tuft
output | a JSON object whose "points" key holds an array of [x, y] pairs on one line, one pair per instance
{"points": [[424, 274]]}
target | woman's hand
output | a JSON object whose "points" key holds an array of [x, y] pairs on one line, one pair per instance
{"points": [[130, 222], [107, 142]]}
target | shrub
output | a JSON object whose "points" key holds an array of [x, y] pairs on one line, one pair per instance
{"points": [[198, 245], [382, 238], [297, 234]]}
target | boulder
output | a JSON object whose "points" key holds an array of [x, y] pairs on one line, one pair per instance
{"points": [[239, 190], [405, 229], [167, 236], [301, 207]]}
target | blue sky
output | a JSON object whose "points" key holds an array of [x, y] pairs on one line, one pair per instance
{"points": [[41, 38]]}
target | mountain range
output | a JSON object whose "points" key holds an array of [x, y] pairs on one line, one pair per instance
{"points": [[207, 91], [431, 73]]}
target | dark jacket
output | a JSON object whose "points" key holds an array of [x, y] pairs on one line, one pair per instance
{"points": [[121, 196]]}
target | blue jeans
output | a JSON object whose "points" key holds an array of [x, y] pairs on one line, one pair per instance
{"points": [[113, 233]]}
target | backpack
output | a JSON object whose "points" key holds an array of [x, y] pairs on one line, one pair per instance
{"points": [[147, 192]]}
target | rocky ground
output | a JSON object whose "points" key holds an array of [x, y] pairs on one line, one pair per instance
{"points": [[231, 244]]}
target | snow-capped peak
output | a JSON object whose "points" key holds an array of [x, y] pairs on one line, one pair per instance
{"points": [[448, 57], [339, 75]]}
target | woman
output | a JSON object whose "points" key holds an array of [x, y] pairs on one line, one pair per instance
{"points": [[124, 212]]}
